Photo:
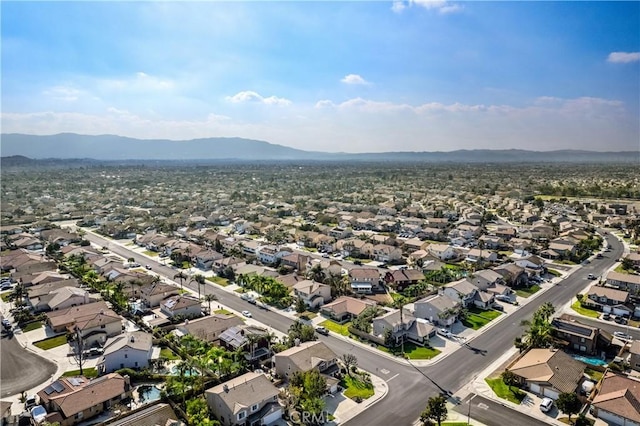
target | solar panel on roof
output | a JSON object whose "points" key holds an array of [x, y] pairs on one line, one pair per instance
{"points": [[48, 390], [57, 386]]}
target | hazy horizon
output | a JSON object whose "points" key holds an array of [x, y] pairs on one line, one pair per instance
{"points": [[350, 77]]}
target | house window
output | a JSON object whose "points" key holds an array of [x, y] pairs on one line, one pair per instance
{"points": [[136, 363], [126, 356], [254, 407], [582, 340], [79, 415], [103, 326], [241, 415]]}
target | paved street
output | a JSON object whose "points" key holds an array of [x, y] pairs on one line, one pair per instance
{"points": [[410, 387]]}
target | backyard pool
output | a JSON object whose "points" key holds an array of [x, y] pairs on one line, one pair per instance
{"points": [[148, 393], [590, 360], [188, 373]]}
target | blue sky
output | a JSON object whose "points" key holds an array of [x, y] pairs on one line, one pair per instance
{"points": [[329, 76]]}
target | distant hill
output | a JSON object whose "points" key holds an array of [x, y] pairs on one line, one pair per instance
{"points": [[19, 149]]}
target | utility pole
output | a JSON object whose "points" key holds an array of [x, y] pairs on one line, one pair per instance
{"points": [[469, 409]]}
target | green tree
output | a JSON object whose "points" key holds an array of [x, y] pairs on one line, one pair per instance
{"points": [[627, 264], [389, 340], [350, 361], [509, 378], [210, 298], [300, 305], [569, 403], [198, 413], [436, 410]]}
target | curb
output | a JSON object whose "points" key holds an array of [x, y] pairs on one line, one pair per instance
{"points": [[369, 402]]}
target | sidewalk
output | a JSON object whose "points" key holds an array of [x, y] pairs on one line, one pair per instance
{"points": [[346, 408]]}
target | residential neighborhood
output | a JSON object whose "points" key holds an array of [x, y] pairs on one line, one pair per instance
{"points": [[261, 311]]}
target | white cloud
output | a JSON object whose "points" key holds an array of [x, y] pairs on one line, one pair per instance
{"points": [[623, 57], [365, 125], [251, 96], [64, 93], [354, 79], [398, 6], [441, 6]]}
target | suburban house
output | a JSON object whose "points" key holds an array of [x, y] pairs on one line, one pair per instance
{"points": [[580, 337], [269, 255], [548, 372], [618, 400], [634, 355], [403, 278], [414, 244], [204, 259], [628, 282], [609, 300], [461, 291], [477, 255], [634, 258], [532, 263], [403, 327], [489, 281], [128, 350], [153, 294], [364, 280], [296, 261], [250, 399], [312, 293], [186, 306], [95, 321], [442, 251], [255, 340], [304, 357], [61, 298], [345, 308], [386, 253], [438, 309], [157, 414], [73, 400], [208, 328], [513, 275]]}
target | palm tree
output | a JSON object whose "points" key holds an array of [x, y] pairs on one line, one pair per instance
{"points": [[199, 279], [181, 276], [210, 298]]}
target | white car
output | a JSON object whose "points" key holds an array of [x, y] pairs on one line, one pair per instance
{"points": [[444, 332], [622, 336], [546, 405], [247, 314]]}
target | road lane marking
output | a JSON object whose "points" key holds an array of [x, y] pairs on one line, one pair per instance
{"points": [[483, 406], [393, 377], [384, 371]]}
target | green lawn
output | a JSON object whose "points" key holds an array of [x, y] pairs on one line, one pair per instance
{"points": [[584, 311], [222, 282], [52, 342], [167, 353], [418, 352], [150, 253], [503, 391], [477, 318], [621, 270], [222, 311], [455, 424], [356, 388], [526, 292], [89, 373], [239, 290], [595, 375], [32, 326], [336, 328], [307, 315], [5, 297], [412, 351], [554, 272]]}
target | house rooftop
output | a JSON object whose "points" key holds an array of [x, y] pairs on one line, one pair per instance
{"points": [[244, 391]]}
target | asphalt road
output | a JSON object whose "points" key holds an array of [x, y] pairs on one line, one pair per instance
{"points": [[21, 369], [409, 387]]}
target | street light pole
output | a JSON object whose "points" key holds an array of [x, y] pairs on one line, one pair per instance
{"points": [[469, 409]]}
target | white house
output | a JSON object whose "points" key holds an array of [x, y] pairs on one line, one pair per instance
{"points": [[129, 350], [181, 305], [314, 294], [442, 251]]}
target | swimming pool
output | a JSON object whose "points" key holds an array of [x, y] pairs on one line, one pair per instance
{"points": [[590, 360], [188, 373], [148, 393]]}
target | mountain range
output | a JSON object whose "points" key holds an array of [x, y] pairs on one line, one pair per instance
{"points": [[120, 148]]}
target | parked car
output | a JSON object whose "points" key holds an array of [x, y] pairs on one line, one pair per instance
{"points": [[591, 277], [622, 336], [38, 414], [5, 286], [606, 316], [31, 401], [621, 320], [444, 332], [148, 267], [247, 314], [498, 307], [322, 330], [252, 301], [546, 405]]}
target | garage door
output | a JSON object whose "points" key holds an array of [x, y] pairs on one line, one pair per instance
{"points": [[535, 388], [550, 393], [270, 418]]}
